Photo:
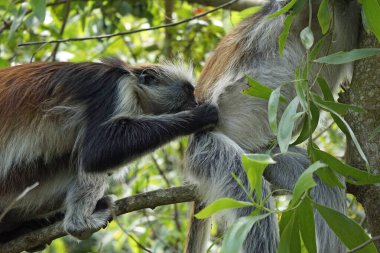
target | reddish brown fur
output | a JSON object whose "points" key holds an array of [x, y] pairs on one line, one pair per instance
{"points": [[22, 91], [226, 54]]}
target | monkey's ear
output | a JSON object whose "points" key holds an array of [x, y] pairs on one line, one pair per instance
{"points": [[148, 78]]}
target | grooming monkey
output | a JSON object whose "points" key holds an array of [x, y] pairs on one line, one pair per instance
{"points": [[252, 49], [66, 125]]}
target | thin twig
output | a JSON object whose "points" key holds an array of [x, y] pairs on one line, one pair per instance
{"points": [[323, 131], [106, 36], [160, 171], [122, 228], [64, 22], [375, 238]]}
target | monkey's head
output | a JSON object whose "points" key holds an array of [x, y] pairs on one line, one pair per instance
{"points": [[165, 88]]}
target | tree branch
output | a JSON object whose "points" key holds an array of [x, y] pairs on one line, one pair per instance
{"points": [[106, 36], [364, 91], [144, 200], [239, 6]]}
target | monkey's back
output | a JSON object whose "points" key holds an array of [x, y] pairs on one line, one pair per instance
{"points": [[45, 109], [31, 139], [23, 89]]}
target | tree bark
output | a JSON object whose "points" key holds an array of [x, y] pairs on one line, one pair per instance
{"points": [[365, 91]]}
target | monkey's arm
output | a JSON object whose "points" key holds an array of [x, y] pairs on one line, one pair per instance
{"points": [[108, 146]]}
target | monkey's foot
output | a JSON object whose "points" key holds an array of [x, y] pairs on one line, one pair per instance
{"points": [[82, 227]]}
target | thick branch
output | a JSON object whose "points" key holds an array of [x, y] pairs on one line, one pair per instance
{"points": [[107, 36], [365, 91], [144, 200], [239, 6]]}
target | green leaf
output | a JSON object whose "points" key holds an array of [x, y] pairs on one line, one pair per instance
{"points": [[283, 10], [346, 57], [305, 182], [306, 223], [286, 125], [346, 128], [259, 90], [316, 49], [306, 130], [371, 9], [348, 231], [324, 16], [285, 32], [39, 9], [327, 94], [259, 159], [274, 99], [365, 21], [244, 14], [290, 241], [254, 166], [328, 176], [286, 217], [301, 89], [307, 37], [299, 6], [374, 133], [352, 174], [236, 234], [17, 20], [219, 205], [342, 109]]}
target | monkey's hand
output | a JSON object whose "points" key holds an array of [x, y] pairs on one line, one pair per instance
{"points": [[82, 226], [207, 116]]}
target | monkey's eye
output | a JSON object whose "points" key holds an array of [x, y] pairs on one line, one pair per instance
{"points": [[147, 79]]}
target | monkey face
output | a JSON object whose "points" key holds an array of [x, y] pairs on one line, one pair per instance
{"points": [[164, 89]]}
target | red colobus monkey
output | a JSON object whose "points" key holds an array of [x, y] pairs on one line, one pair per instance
{"points": [[252, 48], [65, 125]]}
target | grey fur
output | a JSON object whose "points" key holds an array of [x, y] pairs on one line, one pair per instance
{"points": [[243, 125]]}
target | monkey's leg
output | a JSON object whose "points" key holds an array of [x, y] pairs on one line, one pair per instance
{"points": [[284, 174], [86, 209], [212, 157]]}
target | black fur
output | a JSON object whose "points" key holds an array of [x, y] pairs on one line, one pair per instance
{"points": [[122, 141]]}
